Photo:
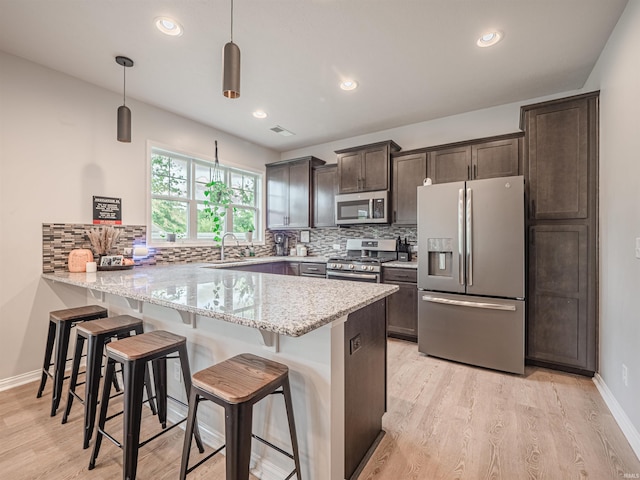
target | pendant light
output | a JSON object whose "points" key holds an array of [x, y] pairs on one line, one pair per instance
{"points": [[124, 114], [231, 66]]}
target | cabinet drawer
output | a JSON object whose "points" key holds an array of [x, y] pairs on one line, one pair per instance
{"points": [[408, 275], [313, 269]]}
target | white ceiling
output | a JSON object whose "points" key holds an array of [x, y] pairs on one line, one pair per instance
{"points": [[415, 60]]}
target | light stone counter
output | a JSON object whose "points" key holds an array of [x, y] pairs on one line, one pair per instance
{"points": [[287, 305], [412, 265]]}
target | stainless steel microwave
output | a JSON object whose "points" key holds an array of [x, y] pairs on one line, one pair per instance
{"points": [[365, 207]]}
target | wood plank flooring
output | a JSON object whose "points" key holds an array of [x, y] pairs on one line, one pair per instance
{"points": [[445, 421]]}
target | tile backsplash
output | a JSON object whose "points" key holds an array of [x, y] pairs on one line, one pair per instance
{"points": [[58, 239]]}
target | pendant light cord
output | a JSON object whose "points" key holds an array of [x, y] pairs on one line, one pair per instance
{"points": [[124, 82], [231, 21]]}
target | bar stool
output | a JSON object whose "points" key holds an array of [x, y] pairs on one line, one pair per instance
{"points": [[134, 353], [98, 333], [60, 324], [237, 384]]}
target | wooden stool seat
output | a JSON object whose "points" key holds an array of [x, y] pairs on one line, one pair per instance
{"points": [[98, 333], [236, 384], [241, 378], [151, 344], [134, 353], [77, 313], [108, 325], [60, 324]]}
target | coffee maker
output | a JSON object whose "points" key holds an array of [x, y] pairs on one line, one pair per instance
{"points": [[282, 243]]}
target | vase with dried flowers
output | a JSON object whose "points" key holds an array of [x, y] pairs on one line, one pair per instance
{"points": [[102, 239]]}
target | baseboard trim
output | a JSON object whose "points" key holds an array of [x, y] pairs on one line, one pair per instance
{"points": [[11, 382], [628, 429]]}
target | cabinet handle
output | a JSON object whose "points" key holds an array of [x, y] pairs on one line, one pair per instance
{"points": [[475, 171], [468, 172]]}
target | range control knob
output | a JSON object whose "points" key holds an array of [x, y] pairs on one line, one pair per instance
{"points": [[371, 268], [351, 267]]}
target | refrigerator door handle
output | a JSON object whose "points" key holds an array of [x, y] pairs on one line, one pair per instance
{"points": [[465, 303], [461, 236], [469, 237], [370, 208]]}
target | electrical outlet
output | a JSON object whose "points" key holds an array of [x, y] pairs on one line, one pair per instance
{"points": [[355, 343], [336, 246], [625, 375], [176, 372]]}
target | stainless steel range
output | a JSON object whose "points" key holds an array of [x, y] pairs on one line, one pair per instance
{"points": [[364, 259]]}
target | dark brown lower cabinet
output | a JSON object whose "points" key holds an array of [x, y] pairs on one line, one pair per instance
{"points": [[365, 379], [402, 306], [561, 297]]}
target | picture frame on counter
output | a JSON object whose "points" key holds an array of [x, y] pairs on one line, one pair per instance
{"points": [[111, 261]]}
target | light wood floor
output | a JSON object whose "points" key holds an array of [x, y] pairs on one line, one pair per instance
{"points": [[445, 421]]}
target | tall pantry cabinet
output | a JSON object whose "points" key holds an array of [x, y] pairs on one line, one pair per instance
{"points": [[561, 178]]}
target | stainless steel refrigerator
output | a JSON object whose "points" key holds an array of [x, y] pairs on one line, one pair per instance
{"points": [[471, 272]]}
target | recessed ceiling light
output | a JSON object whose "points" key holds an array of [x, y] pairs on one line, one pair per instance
{"points": [[489, 39], [168, 26], [260, 114], [348, 85]]}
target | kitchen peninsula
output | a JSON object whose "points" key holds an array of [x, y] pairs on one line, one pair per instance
{"points": [[330, 333]]}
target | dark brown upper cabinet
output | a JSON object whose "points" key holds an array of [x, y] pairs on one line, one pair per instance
{"points": [[365, 168], [409, 171], [558, 160], [477, 159], [325, 188], [289, 193], [450, 165]]}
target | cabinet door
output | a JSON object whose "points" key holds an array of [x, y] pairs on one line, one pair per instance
{"points": [[495, 159], [375, 169], [349, 172], [450, 165], [557, 145], [408, 173], [325, 188], [299, 195], [560, 325], [277, 196]]}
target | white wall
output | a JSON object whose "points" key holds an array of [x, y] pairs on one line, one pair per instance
{"points": [[617, 75], [58, 148]]}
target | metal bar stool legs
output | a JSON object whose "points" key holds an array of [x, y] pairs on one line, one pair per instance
{"points": [[237, 384], [60, 324], [98, 333], [134, 353]]}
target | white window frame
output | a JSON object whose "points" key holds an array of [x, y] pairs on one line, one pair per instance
{"points": [[192, 158]]}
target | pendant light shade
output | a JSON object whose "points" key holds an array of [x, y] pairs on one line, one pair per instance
{"points": [[231, 71], [231, 66], [124, 124], [124, 114]]}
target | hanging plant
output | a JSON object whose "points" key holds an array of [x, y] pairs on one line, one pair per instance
{"points": [[218, 198]]}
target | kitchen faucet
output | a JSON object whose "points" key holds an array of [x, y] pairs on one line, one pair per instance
{"points": [[222, 244]]}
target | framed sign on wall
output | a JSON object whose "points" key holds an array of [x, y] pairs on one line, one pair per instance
{"points": [[107, 211]]}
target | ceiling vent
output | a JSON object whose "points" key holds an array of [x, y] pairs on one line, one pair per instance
{"points": [[282, 131]]}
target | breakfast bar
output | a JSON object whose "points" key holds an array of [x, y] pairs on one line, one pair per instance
{"points": [[331, 334]]}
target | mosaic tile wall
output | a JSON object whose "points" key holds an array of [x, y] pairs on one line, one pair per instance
{"points": [[58, 239], [321, 240]]}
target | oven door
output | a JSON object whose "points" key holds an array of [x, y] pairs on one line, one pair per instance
{"points": [[353, 276]]}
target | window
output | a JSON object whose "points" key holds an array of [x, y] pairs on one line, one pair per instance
{"points": [[178, 199]]}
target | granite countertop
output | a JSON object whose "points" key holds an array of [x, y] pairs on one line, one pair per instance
{"points": [[412, 264], [287, 305]]}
